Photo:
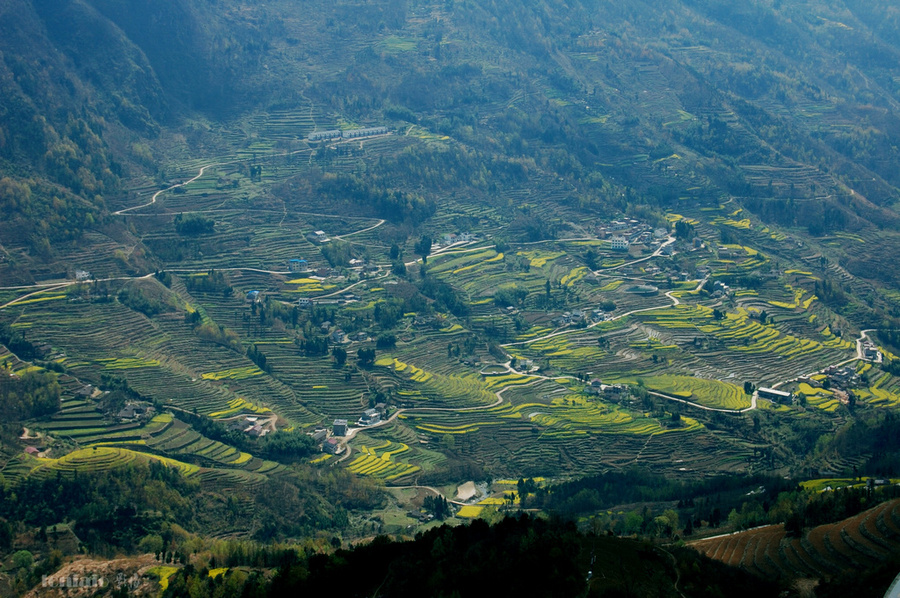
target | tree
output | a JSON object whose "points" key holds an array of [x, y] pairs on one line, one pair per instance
{"points": [[748, 388], [423, 247], [340, 356], [385, 341], [684, 230], [22, 559], [192, 225], [395, 252], [365, 357]]}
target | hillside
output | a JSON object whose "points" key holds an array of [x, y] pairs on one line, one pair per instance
{"points": [[825, 552], [542, 242]]}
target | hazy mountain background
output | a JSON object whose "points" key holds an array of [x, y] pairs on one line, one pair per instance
{"points": [[790, 107]]}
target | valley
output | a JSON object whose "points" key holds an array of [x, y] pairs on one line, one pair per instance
{"points": [[340, 274]]}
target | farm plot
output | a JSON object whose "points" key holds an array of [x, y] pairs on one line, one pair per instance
{"points": [[378, 462], [103, 458], [569, 416], [710, 393], [242, 240], [318, 387], [819, 397], [430, 347], [481, 274], [883, 390], [568, 352], [180, 440], [823, 551], [781, 354], [152, 354], [437, 389], [576, 415]]}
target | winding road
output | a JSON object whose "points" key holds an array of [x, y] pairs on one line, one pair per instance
{"points": [[352, 432], [450, 249], [175, 186]]}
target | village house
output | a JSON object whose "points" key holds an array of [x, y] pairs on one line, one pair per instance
{"points": [[256, 431], [619, 244], [324, 135], [721, 288], [298, 265], [318, 435], [339, 427], [844, 377], [614, 390], [776, 396], [331, 446], [85, 392], [370, 417], [524, 365], [134, 411], [871, 352], [368, 132], [841, 395]]}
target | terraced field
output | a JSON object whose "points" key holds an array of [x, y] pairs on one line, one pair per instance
{"points": [[855, 543], [427, 389], [102, 458], [883, 391], [683, 351], [379, 462], [108, 444], [710, 393], [753, 350]]}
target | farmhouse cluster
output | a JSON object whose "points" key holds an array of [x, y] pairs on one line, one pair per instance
{"points": [[350, 134], [624, 233], [330, 444]]}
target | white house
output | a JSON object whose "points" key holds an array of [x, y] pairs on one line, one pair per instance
{"points": [[619, 244]]}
